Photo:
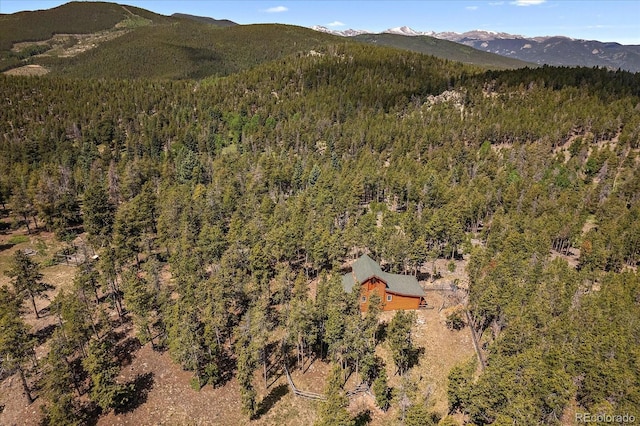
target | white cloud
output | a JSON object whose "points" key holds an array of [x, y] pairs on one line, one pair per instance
{"points": [[528, 2], [276, 9], [471, 7], [335, 24], [496, 3]]}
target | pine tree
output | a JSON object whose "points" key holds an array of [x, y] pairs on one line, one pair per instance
{"points": [[246, 361], [54, 199], [333, 411], [22, 206], [417, 414], [74, 319], [371, 319], [261, 325], [16, 344], [109, 278], [98, 214], [460, 380], [139, 301], [56, 385], [87, 280], [300, 323], [27, 279], [381, 390], [103, 371], [399, 339]]}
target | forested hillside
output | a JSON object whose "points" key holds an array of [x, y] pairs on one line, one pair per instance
{"points": [[107, 40], [25, 36], [213, 204], [188, 49], [70, 18]]}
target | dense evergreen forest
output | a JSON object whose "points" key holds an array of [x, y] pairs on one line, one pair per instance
{"points": [[244, 189]]}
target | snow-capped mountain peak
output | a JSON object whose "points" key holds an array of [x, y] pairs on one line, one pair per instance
{"points": [[483, 35], [345, 33], [551, 50], [321, 29], [406, 31], [410, 32]]}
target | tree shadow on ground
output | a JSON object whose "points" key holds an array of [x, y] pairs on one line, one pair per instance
{"points": [[363, 418], [138, 393], [414, 356], [227, 367], [90, 413], [274, 369], [124, 351], [271, 399], [4, 247], [381, 332], [44, 333], [4, 226]]}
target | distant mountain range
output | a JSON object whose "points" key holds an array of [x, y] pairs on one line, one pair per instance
{"points": [[98, 39], [109, 40], [556, 50]]}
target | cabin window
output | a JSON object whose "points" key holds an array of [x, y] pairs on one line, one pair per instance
{"points": [[389, 297], [364, 299]]}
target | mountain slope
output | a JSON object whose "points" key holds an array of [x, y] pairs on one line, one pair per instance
{"points": [[442, 49], [557, 50], [188, 49], [560, 51], [67, 30], [94, 39], [205, 20], [70, 18]]}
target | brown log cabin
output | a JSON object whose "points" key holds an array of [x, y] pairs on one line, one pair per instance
{"points": [[397, 292]]}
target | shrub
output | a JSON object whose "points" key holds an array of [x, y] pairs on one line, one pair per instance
{"points": [[455, 321]]}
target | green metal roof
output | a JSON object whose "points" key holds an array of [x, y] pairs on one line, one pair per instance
{"points": [[365, 268]]}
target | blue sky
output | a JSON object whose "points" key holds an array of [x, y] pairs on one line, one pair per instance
{"points": [[608, 20]]}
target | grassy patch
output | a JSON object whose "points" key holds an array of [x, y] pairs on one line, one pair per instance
{"points": [[17, 239], [134, 22]]}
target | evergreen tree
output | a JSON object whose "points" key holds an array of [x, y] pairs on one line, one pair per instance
{"points": [[61, 409], [139, 301], [109, 278], [188, 345], [300, 323], [399, 339], [103, 371], [381, 390], [16, 345], [246, 361], [371, 319], [55, 199], [22, 206], [333, 411], [74, 319], [418, 415], [460, 380], [27, 279], [86, 281], [97, 214]]}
